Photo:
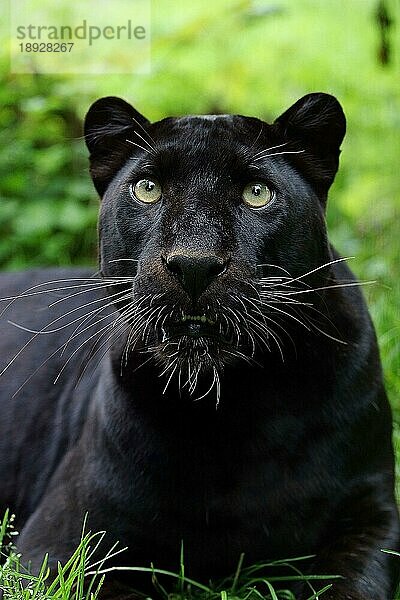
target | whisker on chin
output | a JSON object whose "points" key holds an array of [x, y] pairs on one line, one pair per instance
{"points": [[174, 363], [215, 382]]}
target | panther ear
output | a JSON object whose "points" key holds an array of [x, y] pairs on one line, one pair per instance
{"points": [[109, 123], [316, 124]]}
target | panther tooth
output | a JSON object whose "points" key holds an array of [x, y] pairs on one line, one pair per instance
{"points": [[201, 318]]}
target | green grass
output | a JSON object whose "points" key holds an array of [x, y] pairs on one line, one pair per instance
{"points": [[82, 579], [71, 583]]}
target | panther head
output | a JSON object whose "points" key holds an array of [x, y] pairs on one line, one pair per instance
{"points": [[217, 225]]}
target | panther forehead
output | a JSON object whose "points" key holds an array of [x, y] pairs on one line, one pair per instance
{"points": [[225, 117], [204, 123], [192, 133], [213, 117]]}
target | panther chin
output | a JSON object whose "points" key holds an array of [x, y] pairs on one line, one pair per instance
{"points": [[192, 351]]}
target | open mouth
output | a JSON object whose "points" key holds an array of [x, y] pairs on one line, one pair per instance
{"points": [[194, 326]]}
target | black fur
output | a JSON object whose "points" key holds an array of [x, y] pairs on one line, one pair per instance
{"points": [[294, 456]]}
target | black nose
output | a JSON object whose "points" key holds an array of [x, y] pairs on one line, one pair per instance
{"points": [[195, 273]]}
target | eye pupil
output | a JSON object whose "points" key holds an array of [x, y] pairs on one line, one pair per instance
{"points": [[149, 185], [256, 190]]}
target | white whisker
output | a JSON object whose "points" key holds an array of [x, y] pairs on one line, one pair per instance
{"points": [[139, 146], [263, 157], [152, 148], [268, 149]]}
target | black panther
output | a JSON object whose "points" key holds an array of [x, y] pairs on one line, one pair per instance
{"points": [[218, 380]]}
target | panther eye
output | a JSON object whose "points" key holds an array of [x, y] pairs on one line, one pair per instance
{"points": [[257, 195], [146, 190]]}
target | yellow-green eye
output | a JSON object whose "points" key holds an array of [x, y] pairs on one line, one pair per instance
{"points": [[146, 190], [257, 194]]}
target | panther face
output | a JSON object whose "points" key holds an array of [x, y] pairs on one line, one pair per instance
{"points": [[217, 224]]}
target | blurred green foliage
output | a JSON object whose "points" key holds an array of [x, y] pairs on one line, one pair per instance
{"points": [[48, 209], [247, 57]]}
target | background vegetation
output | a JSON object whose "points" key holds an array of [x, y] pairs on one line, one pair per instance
{"points": [[246, 57]]}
